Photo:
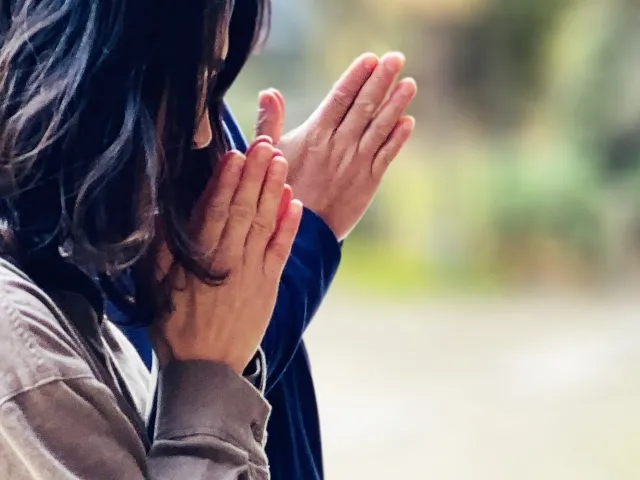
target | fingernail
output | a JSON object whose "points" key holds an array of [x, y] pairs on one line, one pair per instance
{"points": [[398, 55], [261, 139], [264, 100], [408, 86], [370, 61]]}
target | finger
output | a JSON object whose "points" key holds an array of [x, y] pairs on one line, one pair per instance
{"points": [[287, 196], [258, 140], [390, 149], [264, 223], [279, 247], [337, 103], [244, 205], [212, 211], [270, 116], [279, 97], [388, 116], [372, 94]]}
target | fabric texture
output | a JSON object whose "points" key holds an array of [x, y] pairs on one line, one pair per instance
{"points": [[74, 392], [294, 447]]}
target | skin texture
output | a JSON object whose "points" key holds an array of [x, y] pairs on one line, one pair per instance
{"points": [[338, 157], [247, 220]]}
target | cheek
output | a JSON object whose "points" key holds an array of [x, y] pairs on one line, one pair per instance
{"points": [[225, 45], [223, 37]]}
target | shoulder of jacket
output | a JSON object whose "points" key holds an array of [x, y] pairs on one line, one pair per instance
{"points": [[35, 346]]}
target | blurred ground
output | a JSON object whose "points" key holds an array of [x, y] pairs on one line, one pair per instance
{"points": [[513, 389]]}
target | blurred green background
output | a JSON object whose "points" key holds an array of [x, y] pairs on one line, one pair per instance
{"points": [[507, 233], [523, 167]]}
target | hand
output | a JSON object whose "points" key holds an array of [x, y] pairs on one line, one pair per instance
{"points": [[247, 220], [338, 156]]}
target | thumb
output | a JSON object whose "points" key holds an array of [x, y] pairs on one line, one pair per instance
{"points": [[270, 120]]}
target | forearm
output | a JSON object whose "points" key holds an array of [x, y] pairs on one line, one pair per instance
{"points": [[210, 425], [195, 433]]}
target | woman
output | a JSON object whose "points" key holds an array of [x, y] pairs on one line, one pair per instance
{"points": [[294, 446], [102, 103]]}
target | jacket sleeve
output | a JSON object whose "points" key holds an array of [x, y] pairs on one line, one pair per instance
{"points": [[210, 426], [314, 260]]}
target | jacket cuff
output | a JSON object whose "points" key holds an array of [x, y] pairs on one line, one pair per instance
{"points": [[256, 371], [326, 235], [199, 397]]}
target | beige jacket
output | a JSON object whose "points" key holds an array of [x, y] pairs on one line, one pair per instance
{"points": [[73, 395]]}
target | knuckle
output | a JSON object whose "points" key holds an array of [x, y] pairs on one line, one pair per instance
{"points": [[263, 226], [242, 212], [218, 211], [343, 98], [225, 186], [381, 130], [314, 139], [365, 107], [381, 163]]}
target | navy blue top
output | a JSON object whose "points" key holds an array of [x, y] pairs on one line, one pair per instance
{"points": [[293, 446]]}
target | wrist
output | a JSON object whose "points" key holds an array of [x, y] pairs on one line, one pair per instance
{"points": [[322, 222], [197, 397], [167, 355]]}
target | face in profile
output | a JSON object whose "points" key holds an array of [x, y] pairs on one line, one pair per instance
{"points": [[204, 134]]}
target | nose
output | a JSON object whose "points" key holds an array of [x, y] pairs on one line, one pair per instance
{"points": [[204, 133]]}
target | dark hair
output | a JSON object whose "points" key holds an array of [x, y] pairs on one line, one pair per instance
{"points": [[98, 108]]}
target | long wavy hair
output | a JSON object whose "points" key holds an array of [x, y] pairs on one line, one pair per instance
{"points": [[98, 109]]}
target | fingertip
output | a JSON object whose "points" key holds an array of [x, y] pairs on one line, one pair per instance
{"points": [[393, 60], [262, 145], [263, 99], [295, 211], [263, 139], [259, 140], [278, 97], [280, 245], [296, 208], [290, 221], [408, 122], [287, 194], [408, 86], [265, 102], [369, 60]]}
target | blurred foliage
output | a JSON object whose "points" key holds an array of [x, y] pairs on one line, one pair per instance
{"points": [[523, 171]]}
